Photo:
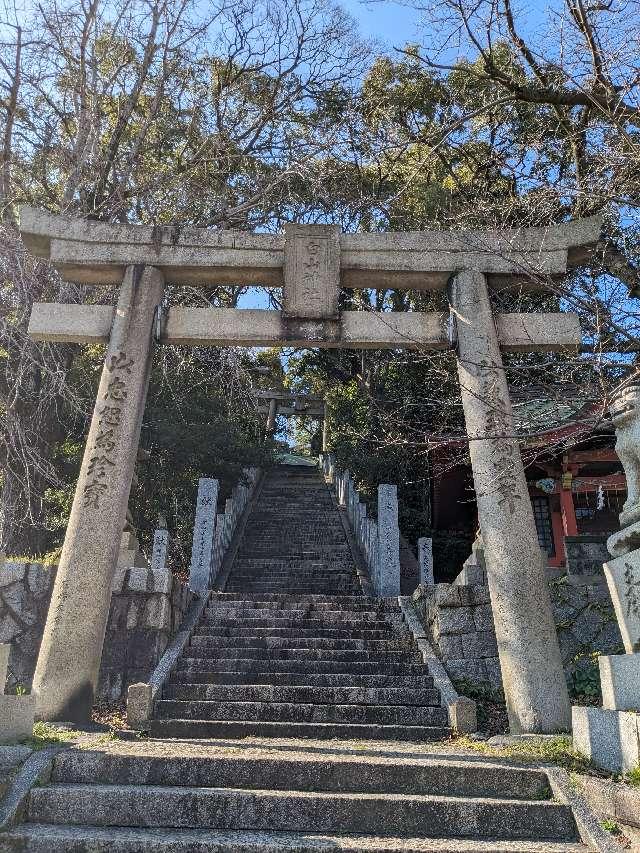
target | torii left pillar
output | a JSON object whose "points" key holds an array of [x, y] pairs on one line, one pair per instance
{"points": [[69, 662]]}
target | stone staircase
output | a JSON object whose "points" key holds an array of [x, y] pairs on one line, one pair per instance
{"points": [[293, 648], [294, 542], [318, 727], [289, 797]]}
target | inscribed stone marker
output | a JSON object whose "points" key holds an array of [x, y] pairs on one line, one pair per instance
{"points": [[159, 552], [425, 560], [388, 541], [623, 580], [203, 535]]}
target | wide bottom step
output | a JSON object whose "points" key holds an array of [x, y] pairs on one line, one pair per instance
{"points": [[46, 838], [301, 811]]}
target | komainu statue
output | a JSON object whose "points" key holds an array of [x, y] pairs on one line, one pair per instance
{"points": [[625, 414]]}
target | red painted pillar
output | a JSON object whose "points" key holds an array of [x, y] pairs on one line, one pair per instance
{"points": [[557, 526], [568, 510]]}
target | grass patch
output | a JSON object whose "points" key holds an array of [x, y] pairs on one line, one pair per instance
{"points": [[549, 750], [46, 734], [633, 777]]}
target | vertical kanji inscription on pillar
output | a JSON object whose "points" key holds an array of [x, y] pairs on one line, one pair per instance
{"points": [[69, 660]]}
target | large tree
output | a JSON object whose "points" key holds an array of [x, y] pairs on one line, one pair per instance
{"points": [[155, 112]]}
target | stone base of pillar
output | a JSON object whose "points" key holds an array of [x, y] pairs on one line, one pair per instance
{"points": [[610, 736], [620, 680], [610, 739]]}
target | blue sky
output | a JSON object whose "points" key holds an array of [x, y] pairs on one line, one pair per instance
{"points": [[392, 24]]}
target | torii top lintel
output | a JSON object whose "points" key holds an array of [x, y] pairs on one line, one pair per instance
{"points": [[309, 260]]}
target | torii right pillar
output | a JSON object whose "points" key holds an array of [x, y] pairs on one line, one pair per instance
{"points": [[530, 660]]}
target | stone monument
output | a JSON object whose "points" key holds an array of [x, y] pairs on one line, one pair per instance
{"points": [[610, 735]]}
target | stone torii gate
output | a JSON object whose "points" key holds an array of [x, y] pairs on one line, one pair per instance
{"points": [[311, 263], [288, 403]]}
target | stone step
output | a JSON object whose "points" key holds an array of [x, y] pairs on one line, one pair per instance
{"points": [[343, 577], [334, 540], [269, 537], [186, 691], [338, 619], [303, 587], [189, 729], [44, 838], [302, 526], [294, 641], [318, 513], [305, 523], [304, 546], [341, 602], [273, 610], [303, 679], [346, 573], [341, 556], [292, 767], [286, 712], [297, 629], [321, 667], [300, 811], [293, 579], [275, 587], [198, 646], [291, 551], [296, 580], [290, 564], [289, 493], [315, 512], [287, 622], [294, 573]]}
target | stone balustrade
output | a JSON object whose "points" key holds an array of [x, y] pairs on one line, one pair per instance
{"points": [[378, 540]]}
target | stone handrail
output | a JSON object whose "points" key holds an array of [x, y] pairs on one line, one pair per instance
{"points": [[461, 710], [213, 531], [379, 541]]}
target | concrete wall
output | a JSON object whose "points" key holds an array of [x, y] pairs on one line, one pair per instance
{"points": [[146, 610], [459, 622]]}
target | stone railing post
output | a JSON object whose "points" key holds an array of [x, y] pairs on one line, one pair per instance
{"points": [[159, 551], [425, 561], [69, 661], [203, 535], [532, 672], [388, 541]]}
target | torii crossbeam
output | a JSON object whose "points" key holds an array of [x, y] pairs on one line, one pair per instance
{"points": [[311, 263]]}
